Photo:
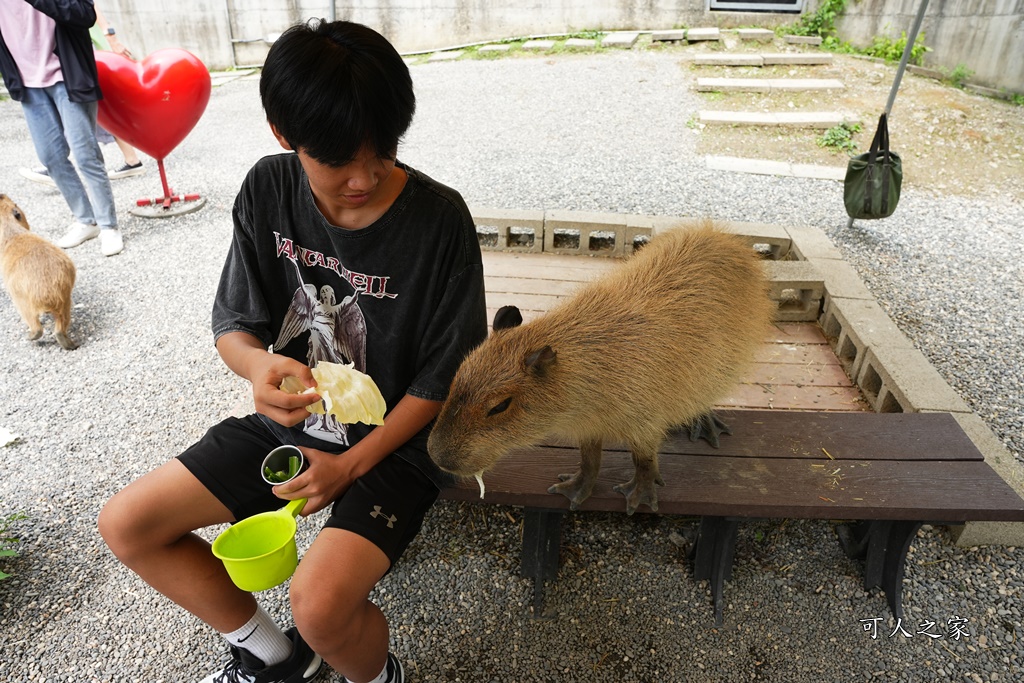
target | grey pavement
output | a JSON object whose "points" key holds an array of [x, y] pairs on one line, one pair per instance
{"points": [[596, 132]]}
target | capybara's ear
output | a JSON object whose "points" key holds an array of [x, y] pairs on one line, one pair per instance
{"points": [[540, 361], [506, 317]]}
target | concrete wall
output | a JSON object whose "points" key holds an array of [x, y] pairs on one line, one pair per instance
{"points": [[986, 36], [226, 33]]}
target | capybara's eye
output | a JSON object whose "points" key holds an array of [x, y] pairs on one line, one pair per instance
{"points": [[501, 407], [17, 215]]}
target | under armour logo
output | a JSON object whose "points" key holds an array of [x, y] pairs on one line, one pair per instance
{"points": [[391, 518]]}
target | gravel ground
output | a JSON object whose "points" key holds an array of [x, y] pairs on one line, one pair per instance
{"points": [[603, 132]]}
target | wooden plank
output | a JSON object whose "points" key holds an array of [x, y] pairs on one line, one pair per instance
{"points": [[799, 375], [796, 333], [519, 285], [765, 487], [806, 435], [795, 353], [790, 397]]}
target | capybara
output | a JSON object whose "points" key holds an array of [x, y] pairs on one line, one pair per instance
{"points": [[650, 346], [37, 274]]}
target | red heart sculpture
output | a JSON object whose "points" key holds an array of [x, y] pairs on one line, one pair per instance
{"points": [[153, 104]]}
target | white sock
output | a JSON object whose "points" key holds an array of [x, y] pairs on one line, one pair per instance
{"points": [[262, 637]]}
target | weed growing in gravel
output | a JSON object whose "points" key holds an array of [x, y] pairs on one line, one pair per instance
{"points": [[7, 542], [840, 137]]}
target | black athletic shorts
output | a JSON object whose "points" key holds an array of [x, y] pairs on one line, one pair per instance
{"points": [[385, 506]]}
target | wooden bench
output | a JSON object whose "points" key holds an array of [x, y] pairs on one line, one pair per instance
{"points": [[887, 472]]}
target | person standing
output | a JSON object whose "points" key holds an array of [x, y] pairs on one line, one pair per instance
{"points": [[47, 63]]}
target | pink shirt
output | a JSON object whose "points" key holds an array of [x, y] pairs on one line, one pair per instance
{"points": [[29, 35]]}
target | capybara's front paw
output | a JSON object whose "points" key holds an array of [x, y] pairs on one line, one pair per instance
{"points": [[574, 487]]}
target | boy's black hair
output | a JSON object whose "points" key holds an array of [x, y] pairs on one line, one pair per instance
{"points": [[331, 87]]}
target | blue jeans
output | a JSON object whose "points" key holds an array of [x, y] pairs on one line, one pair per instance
{"points": [[60, 128]]}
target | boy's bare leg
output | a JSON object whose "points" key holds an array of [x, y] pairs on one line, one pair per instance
{"points": [[329, 596], [148, 526]]}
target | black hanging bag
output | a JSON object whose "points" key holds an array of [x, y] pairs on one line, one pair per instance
{"points": [[873, 180]]}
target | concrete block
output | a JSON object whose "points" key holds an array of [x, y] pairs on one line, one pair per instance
{"points": [[816, 171], [841, 280], [639, 230], [726, 59], [737, 118], [805, 58], [926, 72], [668, 36], [1006, 466], [771, 240], [509, 229], [497, 47], [822, 120], [803, 40], [797, 287], [812, 243], [580, 44], [620, 39], [804, 84], [539, 45], [902, 380], [694, 35], [761, 35], [858, 326], [585, 233], [747, 165], [761, 85], [446, 56]]}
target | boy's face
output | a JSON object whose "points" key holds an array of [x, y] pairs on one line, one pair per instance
{"points": [[346, 195]]}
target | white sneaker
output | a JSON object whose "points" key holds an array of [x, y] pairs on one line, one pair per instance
{"points": [[78, 233], [111, 242], [37, 175]]}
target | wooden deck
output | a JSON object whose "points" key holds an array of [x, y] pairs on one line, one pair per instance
{"points": [[795, 370]]}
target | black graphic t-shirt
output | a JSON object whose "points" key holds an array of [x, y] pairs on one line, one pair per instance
{"points": [[402, 299]]}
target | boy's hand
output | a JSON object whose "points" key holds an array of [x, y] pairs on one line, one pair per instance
{"points": [[266, 376], [328, 476], [248, 358]]}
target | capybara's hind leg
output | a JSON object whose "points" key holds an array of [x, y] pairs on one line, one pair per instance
{"points": [[708, 427], [640, 489], [31, 317], [61, 323], [577, 487]]}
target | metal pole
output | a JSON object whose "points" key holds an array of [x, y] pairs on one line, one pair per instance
{"points": [[332, 12], [911, 39]]}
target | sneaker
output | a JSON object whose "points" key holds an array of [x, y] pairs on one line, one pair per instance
{"points": [[37, 175], [302, 666], [78, 233], [111, 242], [126, 170]]}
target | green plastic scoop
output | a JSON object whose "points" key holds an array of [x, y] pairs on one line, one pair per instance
{"points": [[259, 552]]}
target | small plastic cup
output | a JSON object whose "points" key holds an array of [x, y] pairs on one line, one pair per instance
{"points": [[282, 464]]}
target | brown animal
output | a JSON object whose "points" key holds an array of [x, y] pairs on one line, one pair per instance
{"points": [[648, 347], [38, 275]]}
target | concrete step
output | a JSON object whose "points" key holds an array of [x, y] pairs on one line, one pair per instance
{"points": [[762, 35], [694, 35], [766, 85], [766, 59], [620, 39], [811, 119], [778, 168]]}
